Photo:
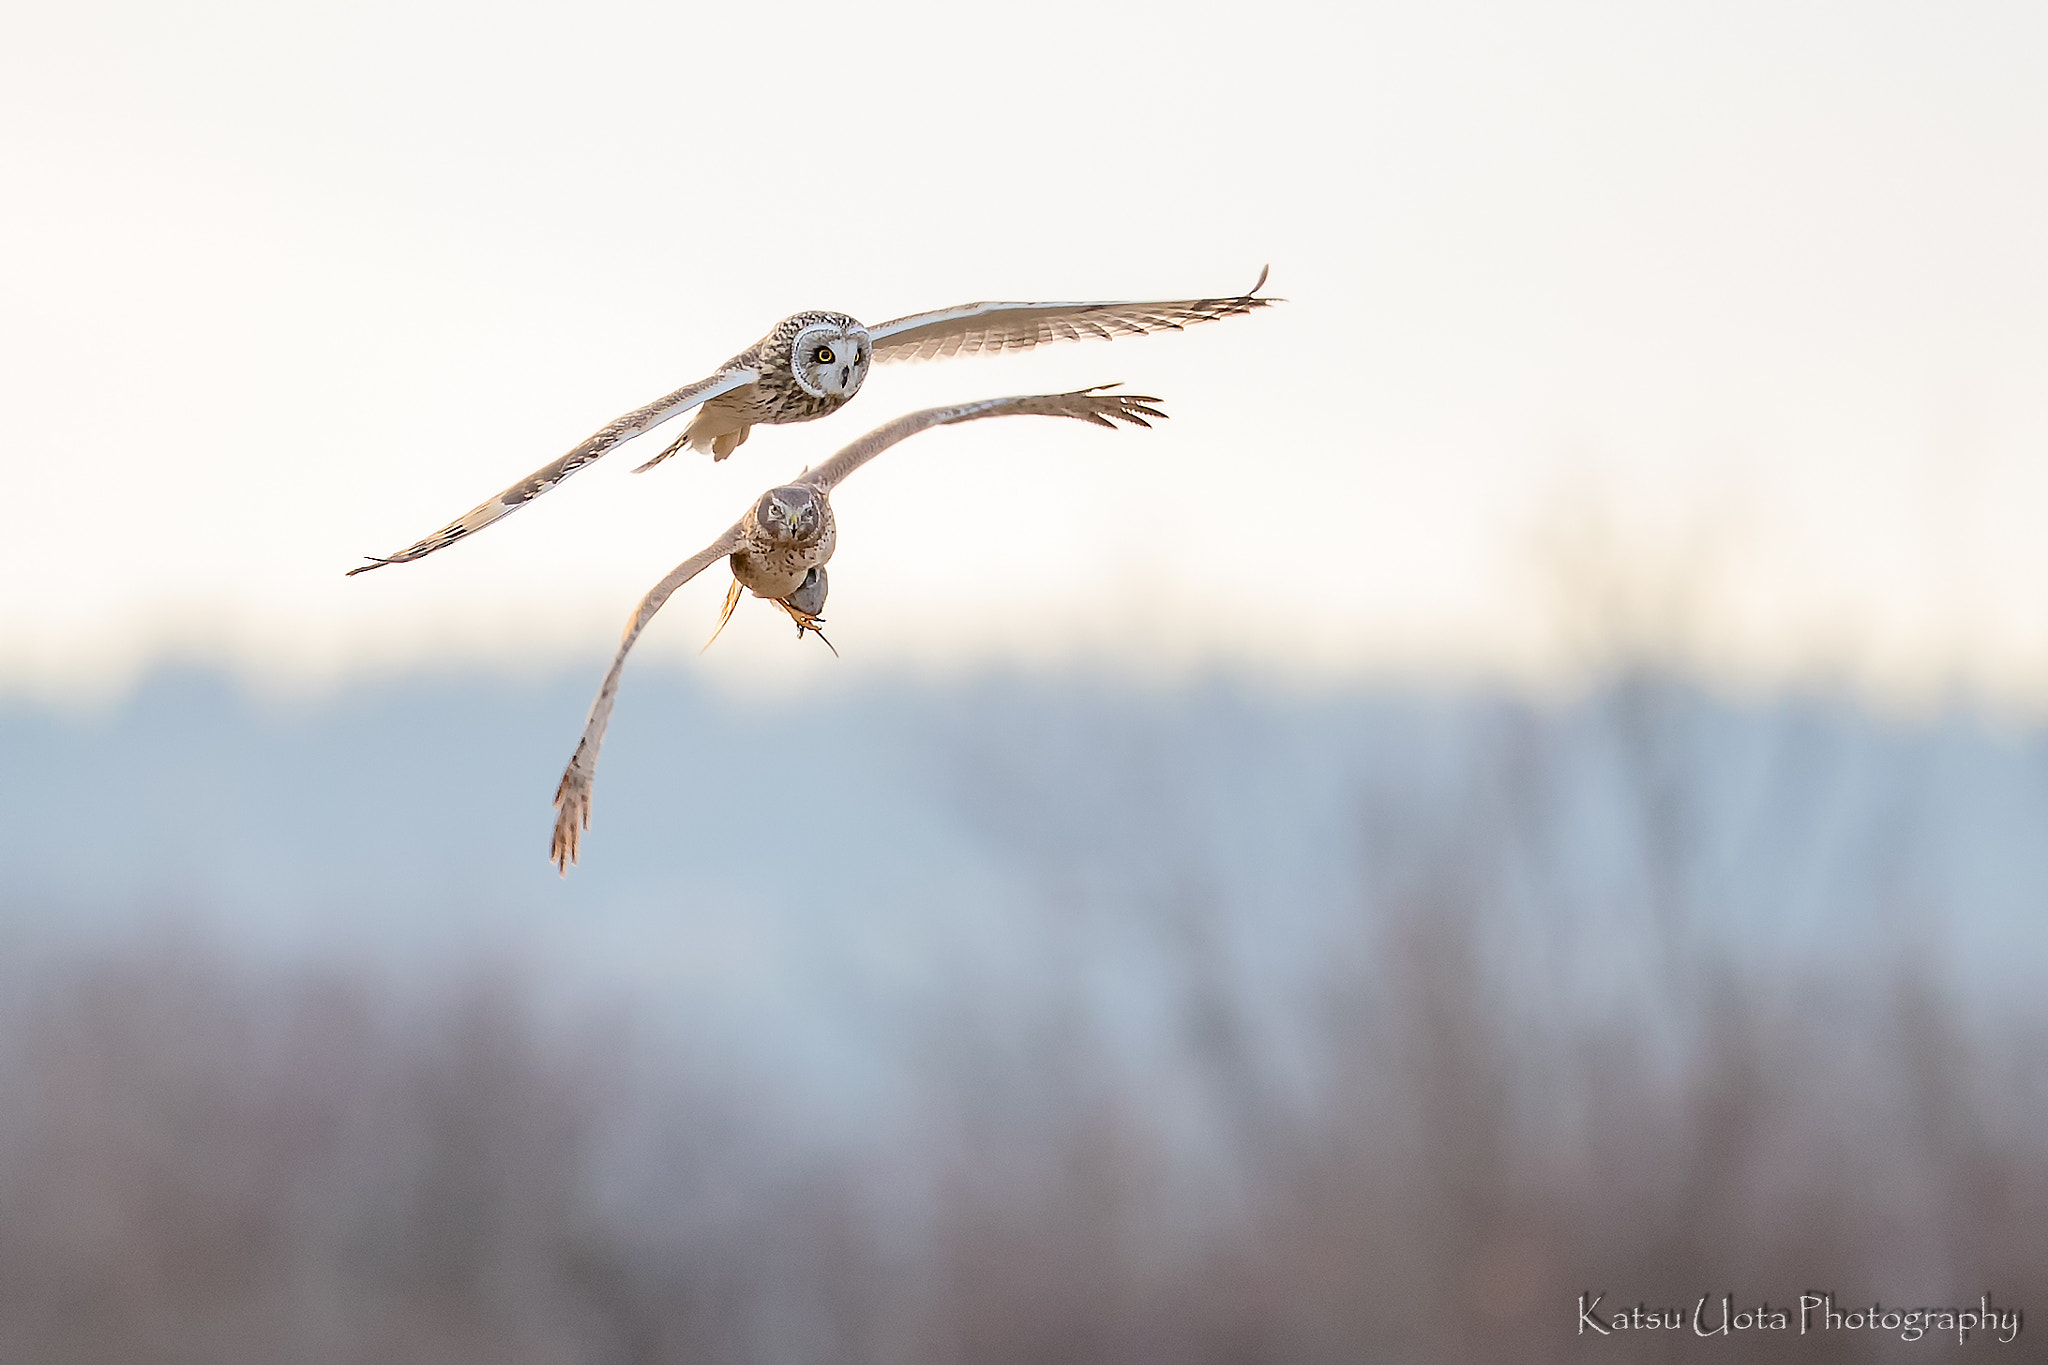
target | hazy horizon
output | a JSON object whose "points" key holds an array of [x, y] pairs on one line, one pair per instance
{"points": [[1759, 292]]}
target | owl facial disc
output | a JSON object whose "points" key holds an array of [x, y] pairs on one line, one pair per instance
{"points": [[830, 359], [793, 513]]}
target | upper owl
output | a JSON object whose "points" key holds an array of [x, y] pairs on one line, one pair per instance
{"points": [[810, 364]]}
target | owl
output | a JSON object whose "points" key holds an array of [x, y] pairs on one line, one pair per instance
{"points": [[785, 540], [811, 364], [779, 548]]}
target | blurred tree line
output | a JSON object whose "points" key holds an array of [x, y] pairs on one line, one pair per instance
{"points": [[1533, 1059]]}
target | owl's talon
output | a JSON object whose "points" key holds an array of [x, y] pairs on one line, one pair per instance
{"points": [[806, 622]]}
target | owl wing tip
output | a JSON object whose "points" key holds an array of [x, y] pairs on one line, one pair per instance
{"points": [[572, 817]]}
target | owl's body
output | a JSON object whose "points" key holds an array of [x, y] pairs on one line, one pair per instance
{"points": [[788, 532], [794, 383], [778, 549], [811, 364]]}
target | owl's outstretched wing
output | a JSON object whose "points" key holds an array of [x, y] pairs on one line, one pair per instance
{"points": [[614, 433], [993, 327], [572, 797], [1086, 405]]}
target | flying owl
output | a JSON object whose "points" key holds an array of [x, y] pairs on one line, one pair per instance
{"points": [[811, 364], [778, 551]]}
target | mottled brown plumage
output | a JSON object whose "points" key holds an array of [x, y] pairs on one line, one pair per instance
{"points": [[779, 549], [812, 364]]}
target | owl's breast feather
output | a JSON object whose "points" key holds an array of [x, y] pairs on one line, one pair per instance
{"points": [[776, 398], [777, 573]]}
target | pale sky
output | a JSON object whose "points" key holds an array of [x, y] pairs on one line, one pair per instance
{"points": [[1750, 298]]}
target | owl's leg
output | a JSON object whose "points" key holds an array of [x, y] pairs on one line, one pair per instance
{"points": [[805, 604], [726, 443], [712, 429], [806, 622]]}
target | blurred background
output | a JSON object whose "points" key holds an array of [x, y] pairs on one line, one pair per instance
{"points": [[1622, 875]]}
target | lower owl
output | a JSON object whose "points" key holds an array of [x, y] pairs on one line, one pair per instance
{"points": [[778, 550], [786, 537]]}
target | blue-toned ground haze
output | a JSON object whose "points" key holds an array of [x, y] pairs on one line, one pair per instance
{"points": [[797, 867], [1022, 1017]]}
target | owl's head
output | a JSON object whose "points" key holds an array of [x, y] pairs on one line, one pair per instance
{"points": [[830, 356], [793, 515]]}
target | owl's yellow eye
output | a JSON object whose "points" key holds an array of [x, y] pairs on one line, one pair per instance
{"points": [[824, 355]]}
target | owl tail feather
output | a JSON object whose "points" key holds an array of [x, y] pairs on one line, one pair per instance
{"points": [[712, 430], [732, 599], [673, 447]]}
